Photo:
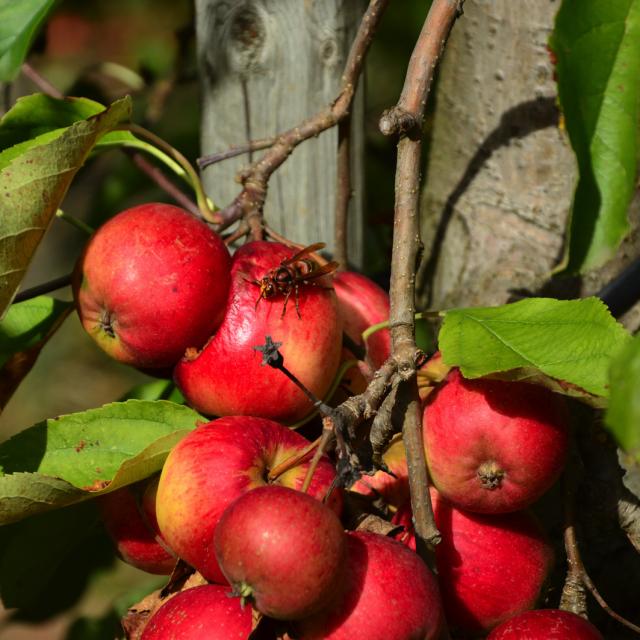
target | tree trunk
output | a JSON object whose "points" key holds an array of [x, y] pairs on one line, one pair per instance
{"points": [[501, 172], [265, 66]]}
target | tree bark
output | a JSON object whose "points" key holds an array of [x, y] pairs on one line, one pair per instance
{"points": [[501, 173], [265, 66]]}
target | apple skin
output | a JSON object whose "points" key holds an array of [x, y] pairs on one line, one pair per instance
{"points": [[363, 303], [201, 612], [494, 446], [152, 282], [490, 567], [388, 594], [215, 464], [227, 377], [282, 549], [134, 536], [393, 490], [546, 624]]}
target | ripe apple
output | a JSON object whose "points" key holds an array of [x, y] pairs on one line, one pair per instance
{"points": [[215, 464], [546, 624], [494, 446], [393, 489], [152, 282], [227, 378], [490, 567], [134, 536], [388, 594], [281, 549], [363, 303], [201, 612]]}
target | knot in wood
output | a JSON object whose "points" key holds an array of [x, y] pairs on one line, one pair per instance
{"points": [[247, 37], [397, 121]]}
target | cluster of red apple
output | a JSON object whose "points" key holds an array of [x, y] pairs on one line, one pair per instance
{"points": [[157, 289]]}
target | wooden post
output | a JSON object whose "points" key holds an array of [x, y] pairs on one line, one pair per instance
{"points": [[264, 67]]}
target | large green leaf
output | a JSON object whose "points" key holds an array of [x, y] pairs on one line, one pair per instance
{"points": [[623, 414], [34, 178], [28, 323], [597, 45], [37, 114], [570, 341], [65, 460], [19, 24]]}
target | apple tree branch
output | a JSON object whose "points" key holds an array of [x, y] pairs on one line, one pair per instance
{"points": [[405, 119]]}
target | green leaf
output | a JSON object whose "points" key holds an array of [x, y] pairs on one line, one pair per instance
{"points": [[155, 390], [28, 323], [69, 459], [597, 45], [37, 114], [33, 184], [623, 414], [19, 24], [570, 341]]}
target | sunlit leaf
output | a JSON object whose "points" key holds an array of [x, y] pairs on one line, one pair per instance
{"points": [[597, 46], [570, 341]]}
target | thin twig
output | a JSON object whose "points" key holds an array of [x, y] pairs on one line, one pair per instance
{"points": [[203, 203], [574, 596], [250, 201], [46, 287], [577, 572], [163, 182], [406, 119], [240, 232], [234, 151], [42, 83], [343, 194], [323, 443]]}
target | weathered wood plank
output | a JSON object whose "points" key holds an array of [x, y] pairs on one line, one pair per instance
{"points": [[265, 66]]}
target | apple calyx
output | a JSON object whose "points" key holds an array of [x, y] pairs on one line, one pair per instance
{"points": [[491, 475], [106, 323]]}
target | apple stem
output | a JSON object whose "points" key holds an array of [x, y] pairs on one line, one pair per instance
{"points": [[204, 205], [323, 443], [75, 222], [273, 358], [420, 315], [291, 461], [46, 287]]}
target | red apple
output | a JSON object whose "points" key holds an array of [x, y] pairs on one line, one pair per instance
{"points": [[215, 464], [137, 542], [227, 377], [388, 594], [393, 489], [152, 282], [494, 446], [363, 303], [200, 612], [490, 567], [281, 549], [546, 624]]}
